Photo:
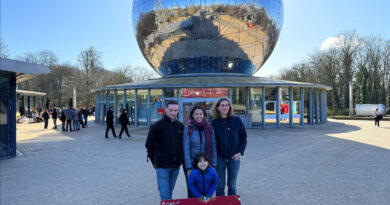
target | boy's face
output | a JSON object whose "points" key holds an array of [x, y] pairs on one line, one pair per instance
{"points": [[203, 164]]}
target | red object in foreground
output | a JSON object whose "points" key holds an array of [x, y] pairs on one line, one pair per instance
{"points": [[219, 200]]}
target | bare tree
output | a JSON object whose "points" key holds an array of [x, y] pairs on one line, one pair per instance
{"points": [[89, 59], [3, 49]]}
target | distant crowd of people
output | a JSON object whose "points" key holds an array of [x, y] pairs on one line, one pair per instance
{"points": [[72, 118]]}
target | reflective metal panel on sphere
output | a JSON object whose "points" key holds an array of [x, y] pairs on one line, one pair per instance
{"points": [[207, 36]]}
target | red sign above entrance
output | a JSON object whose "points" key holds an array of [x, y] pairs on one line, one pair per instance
{"points": [[204, 92]]}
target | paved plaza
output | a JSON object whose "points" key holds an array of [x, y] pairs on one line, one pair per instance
{"points": [[341, 162]]}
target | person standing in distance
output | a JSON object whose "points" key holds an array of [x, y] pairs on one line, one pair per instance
{"points": [[54, 115], [164, 146], [110, 122], [231, 139]]}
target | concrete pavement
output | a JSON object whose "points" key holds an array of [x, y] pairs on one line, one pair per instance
{"points": [[341, 162]]}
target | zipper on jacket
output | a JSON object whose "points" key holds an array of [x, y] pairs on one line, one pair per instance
{"points": [[204, 182], [226, 131], [173, 141]]}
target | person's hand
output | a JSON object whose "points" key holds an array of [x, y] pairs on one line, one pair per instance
{"points": [[236, 156], [189, 172]]}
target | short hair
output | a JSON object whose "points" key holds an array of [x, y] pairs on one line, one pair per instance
{"points": [[199, 156], [215, 112], [171, 102], [197, 108]]}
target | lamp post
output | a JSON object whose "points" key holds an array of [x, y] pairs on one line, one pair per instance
{"points": [[350, 98]]}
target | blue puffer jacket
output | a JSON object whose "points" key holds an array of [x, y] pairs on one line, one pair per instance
{"points": [[192, 146], [203, 183], [230, 135]]}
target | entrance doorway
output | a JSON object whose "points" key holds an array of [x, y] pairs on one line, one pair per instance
{"points": [[188, 103], [5, 104]]}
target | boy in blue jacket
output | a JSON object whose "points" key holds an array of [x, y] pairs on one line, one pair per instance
{"points": [[203, 180]]}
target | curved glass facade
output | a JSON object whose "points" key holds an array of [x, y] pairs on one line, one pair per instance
{"points": [[206, 65]]}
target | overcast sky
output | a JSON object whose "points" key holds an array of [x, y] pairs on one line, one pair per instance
{"points": [[68, 26]]}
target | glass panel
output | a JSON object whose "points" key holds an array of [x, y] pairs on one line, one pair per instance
{"points": [[239, 100], [119, 102], [296, 109], [142, 107], [187, 107], [315, 106], [270, 106], [156, 105], [255, 105], [112, 99], [284, 107], [4, 87], [170, 93], [306, 106], [4, 132], [130, 105]]}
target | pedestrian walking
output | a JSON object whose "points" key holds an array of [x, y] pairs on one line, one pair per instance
{"points": [[198, 137], [63, 118], [85, 116], [164, 146], [124, 120], [69, 117], [45, 117], [110, 122], [54, 115], [76, 123], [377, 116], [231, 140]]}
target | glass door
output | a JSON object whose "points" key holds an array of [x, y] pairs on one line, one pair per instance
{"points": [[4, 126], [189, 103]]}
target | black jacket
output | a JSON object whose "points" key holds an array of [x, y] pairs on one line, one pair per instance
{"points": [[110, 117], [123, 119], [45, 116], [230, 135], [165, 143], [54, 114], [62, 116]]}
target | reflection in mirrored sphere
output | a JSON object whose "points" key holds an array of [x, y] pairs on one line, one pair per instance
{"points": [[207, 36]]}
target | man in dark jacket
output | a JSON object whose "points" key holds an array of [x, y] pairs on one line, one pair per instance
{"points": [[110, 122], [63, 118], [69, 117], [45, 116], [164, 145], [54, 116], [124, 120]]}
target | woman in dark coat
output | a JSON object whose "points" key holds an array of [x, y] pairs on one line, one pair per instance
{"points": [[231, 139]]}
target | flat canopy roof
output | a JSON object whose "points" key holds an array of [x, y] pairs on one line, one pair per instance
{"points": [[212, 82], [22, 70], [30, 93]]}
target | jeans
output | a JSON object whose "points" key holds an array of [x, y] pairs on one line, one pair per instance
{"points": [[166, 180], [189, 193], [85, 121], [76, 125], [232, 166]]}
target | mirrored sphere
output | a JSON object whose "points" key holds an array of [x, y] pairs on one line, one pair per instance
{"points": [[207, 36]]}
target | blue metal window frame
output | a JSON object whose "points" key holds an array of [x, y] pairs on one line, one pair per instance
{"points": [[7, 101]]}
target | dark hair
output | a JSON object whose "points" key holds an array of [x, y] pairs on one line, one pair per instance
{"points": [[196, 108], [171, 102], [215, 112], [199, 157]]}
